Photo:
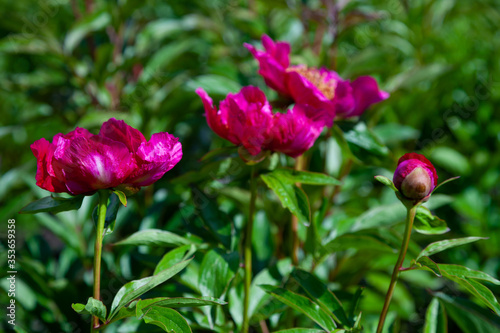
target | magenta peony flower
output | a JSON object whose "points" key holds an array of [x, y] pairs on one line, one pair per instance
{"points": [[246, 119], [415, 177], [320, 88], [81, 163]]}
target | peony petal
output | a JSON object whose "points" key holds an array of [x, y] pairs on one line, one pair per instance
{"points": [[294, 132], [43, 151], [157, 156], [119, 131], [366, 92], [273, 62], [94, 163]]}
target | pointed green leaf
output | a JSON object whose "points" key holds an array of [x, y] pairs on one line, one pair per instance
{"points": [[465, 272], [291, 196], [121, 196], [217, 270], [304, 177], [93, 307], [167, 319], [469, 317], [387, 182], [437, 247], [52, 205], [426, 262], [356, 241], [428, 224], [301, 330], [435, 318], [478, 290], [303, 305], [125, 312], [136, 288], [175, 302], [320, 294], [176, 255], [154, 237]]}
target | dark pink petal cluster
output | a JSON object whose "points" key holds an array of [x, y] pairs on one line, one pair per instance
{"points": [[415, 176], [81, 163], [246, 119], [321, 88]]}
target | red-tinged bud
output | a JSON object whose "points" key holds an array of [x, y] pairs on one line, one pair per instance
{"points": [[415, 177]]}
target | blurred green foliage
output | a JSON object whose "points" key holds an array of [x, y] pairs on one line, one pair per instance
{"points": [[73, 63]]}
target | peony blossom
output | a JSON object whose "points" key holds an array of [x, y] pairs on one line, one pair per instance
{"points": [[246, 119], [320, 88], [415, 177], [119, 156]]}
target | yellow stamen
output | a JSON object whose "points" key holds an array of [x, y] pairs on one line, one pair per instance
{"points": [[318, 79]]}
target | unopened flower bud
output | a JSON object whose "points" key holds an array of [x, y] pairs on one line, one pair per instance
{"points": [[415, 177]]}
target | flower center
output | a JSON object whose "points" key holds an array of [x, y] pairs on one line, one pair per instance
{"points": [[318, 78]]}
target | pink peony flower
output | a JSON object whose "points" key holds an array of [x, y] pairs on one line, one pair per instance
{"points": [[246, 119], [321, 88], [81, 163], [415, 177]]}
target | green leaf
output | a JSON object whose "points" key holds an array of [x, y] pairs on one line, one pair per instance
{"points": [[125, 312], [136, 288], [436, 247], [52, 205], [154, 237], [465, 272], [355, 241], [176, 255], [450, 160], [216, 221], [167, 319], [93, 307], [301, 330], [175, 302], [426, 262], [291, 196], [362, 138], [304, 177], [387, 182], [428, 224], [303, 305], [320, 294], [479, 291], [121, 196], [435, 318], [217, 270], [94, 22], [469, 317], [392, 133], [214, 84]]}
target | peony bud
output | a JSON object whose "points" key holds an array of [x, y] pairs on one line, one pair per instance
{"points": [[415, 177]]}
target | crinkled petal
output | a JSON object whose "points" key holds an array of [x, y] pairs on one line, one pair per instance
{"points": [[217, 121], [294, 132], [93, 163], [273, 62], [119, 131], [45, 178], [155, 157]]}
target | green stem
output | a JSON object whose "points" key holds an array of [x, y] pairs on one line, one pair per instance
{"points": [[103, 203], [299, 166], [397, 268], [248, 250]]}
